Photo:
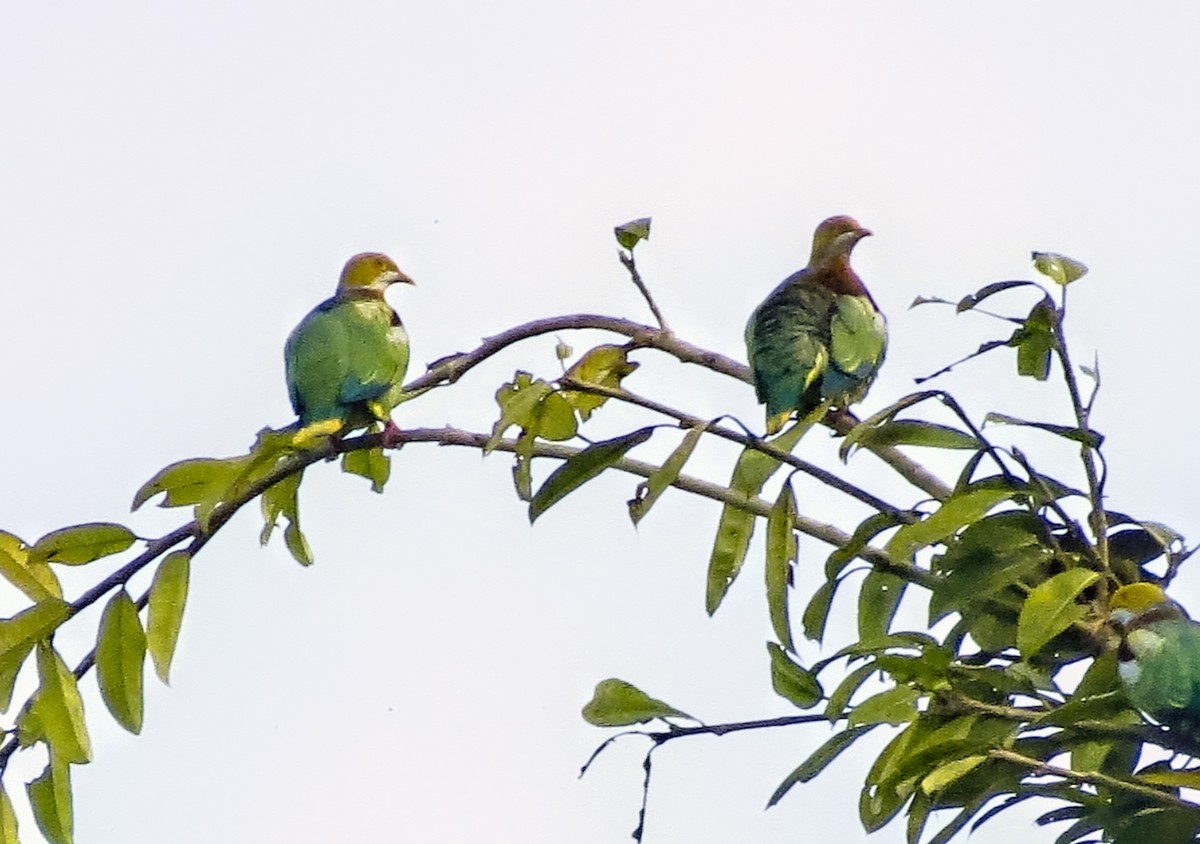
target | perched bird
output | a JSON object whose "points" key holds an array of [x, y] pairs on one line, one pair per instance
{"points": [[345, 361], [1158, 658], [819, 337]]}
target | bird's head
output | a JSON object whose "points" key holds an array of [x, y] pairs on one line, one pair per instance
{"points": [[834, 239], [1142, 600], [371, 271]]}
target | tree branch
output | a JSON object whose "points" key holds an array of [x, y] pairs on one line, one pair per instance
{"points": [[1039, 768], [449, 369]]}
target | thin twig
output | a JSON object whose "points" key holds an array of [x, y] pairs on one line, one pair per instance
{"points": [[629, 262]]}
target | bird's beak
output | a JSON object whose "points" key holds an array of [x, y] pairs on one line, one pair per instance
{"points": [[865, 233], [401, 278]]}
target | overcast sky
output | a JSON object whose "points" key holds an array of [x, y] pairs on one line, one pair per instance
{"points": [[180, 183]]}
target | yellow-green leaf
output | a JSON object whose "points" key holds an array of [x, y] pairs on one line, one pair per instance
{"points": [[50, 799], [19, 634], [370, 463], [603, 366], [1186, 778], [751, 472], [190, 481], [36, 580], [1058, 268], [553, 419], [59, 708], [120, 655], [897, 705], [168, 597], [81, 544], [518, 400], [1051, 608], [781, 555], [906, 432], [654, 486], [616, 703], [951, 772], [8, 819], [281, 500], [628, 234], [955, 512], [581, 468]]}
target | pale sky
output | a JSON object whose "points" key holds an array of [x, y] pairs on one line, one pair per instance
{"points": [[180, 183]]}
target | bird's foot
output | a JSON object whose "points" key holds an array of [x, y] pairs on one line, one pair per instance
{"points": [[392, 436]]}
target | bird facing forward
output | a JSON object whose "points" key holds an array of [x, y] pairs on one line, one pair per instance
{"points": [[818, 339], [1158, 658], [345, 361]]}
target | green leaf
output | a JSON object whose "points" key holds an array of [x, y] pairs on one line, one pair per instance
{"points": [[649, 491], [839, 701], [977, 298], [79, 544], [50, 799], [1034, 341], [751, 472], [628, 234], [59, 708], [19, 634], [190, 481], [518, 400], [895, 706], [996, 554], [907, 432], [1186, 778], [36, 580], [791, 681], [582, 467], [603, 366], [370, 463], [554, 419], [958, 510], [818, 761], [1058, 268], [168, 597], [8, 819], [1051, 608], [281, 499], [949, 773], [781, 555], [616, 703], [878, 599], [1089, 437], [120, 656], [816, 614]]}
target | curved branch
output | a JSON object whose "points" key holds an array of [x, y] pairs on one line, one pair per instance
{"points": [[449, 369]]}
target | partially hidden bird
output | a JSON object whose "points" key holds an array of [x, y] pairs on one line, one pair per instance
{"points": [[345, 361], [1158, 658], [819, 338]]}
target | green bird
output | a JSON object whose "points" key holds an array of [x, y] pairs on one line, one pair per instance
{"points": [[819, 338], [345, 361], [1158, 658]]}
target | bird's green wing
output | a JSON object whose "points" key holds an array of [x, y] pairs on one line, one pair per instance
{"points": [[1169, 680], [858, 342], [787, 344]]}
